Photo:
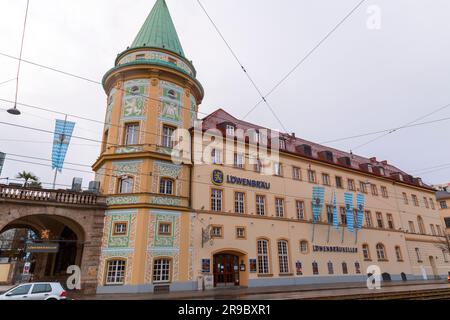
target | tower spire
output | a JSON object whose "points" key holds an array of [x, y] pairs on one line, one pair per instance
{"points": [[159, 31]]}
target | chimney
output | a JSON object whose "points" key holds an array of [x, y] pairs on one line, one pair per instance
{"points": [[293, 134], [373, 160], [384, 162]]}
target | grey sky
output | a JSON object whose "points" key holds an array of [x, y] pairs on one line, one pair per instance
{"points": [[359, 81]]}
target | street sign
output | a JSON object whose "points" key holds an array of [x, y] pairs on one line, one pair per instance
{"points": [[42, 247]]}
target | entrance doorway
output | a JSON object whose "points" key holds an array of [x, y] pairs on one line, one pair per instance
{"points": [[226, 270]]}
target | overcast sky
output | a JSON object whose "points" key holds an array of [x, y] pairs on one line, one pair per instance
{"points": [[358, 81]]}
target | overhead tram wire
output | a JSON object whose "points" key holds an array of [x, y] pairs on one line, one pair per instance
{"points": [[317, 46], [264, 98], [5, 82], [399, 128]]}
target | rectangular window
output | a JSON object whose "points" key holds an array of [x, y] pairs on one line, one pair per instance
{"points": [[131, 134], [260, 205], [239, 160], [263, 257], [165, 229], [351, 184], [125, 185], [412, 229], [216, 156], [425, 201], [405, 198], [433, 230], [279, 207], [240, 233], [296, 173], [369, 222], [167, 136], [120, 228], [239, 202], [447, 222], [115, 273], [380, 220], [230, 130], [315, 268], [384, 192], [326, 179], [161, 271], [217, 232], [166, 186], [362, 187], [415, 200], [282, 144], [443, 204], [418, 255], [432, 204], [216, 200], [277, 168], [390, 220], [374, 189], [330, 214], [439, 230], [300, 206], [258, 165], [339, 183], [312, 176], [283, 256]]}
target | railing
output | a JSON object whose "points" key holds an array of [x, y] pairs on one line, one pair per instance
{"points": [[45, 195]]}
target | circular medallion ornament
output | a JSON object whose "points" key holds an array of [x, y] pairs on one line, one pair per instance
{"points": [[217, 177]]}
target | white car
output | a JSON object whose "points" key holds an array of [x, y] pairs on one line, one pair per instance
{"points": [[35, 291]]}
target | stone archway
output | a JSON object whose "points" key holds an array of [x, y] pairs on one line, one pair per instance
{"points": [[75, 218]]}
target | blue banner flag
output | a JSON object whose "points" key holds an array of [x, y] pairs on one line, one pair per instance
{"points": [[63, 134], [335, 213], [348, 197], [2, 161], [318, 202], [360, 210]]}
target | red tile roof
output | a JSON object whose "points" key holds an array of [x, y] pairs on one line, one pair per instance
{"points": [[220, 116]]}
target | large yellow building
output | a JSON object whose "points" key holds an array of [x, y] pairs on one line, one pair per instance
{"points": [[230, 214]]}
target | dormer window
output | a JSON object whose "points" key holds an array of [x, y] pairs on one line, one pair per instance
{"points": [[230, 129], [382, 171], [282, 144], [369, 168]]}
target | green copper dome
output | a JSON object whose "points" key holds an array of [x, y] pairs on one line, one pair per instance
{"points": [[159, 31]]}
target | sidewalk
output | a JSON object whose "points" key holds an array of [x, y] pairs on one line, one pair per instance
{"points": [[309, 291]]}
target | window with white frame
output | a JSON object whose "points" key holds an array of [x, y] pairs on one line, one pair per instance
{"points": [[425, 201], [277, 168], [366, 252], [125, 184], [362, 187], [239, 202], [380, 223], [330, 267], [283, 256], [296, 173], [164, 229], [398, 253], [381, 252], [167, 139], [115, 272], [216, 156], [263, 256], [405, 198], [384, 192], [260, 205], [418, 255], [216, 200], [421, 225], [369, 222], [131, 134], [300, 207], [412, 228], [217, 232], [120, 228], [282, 144], [312, 176], [240, 233], [374, 190], [415, 200], [351, 184], [258, 165], [161, 271], [304, 248], [166, 186], [390, 220], [432, 204], [230, 130], [239, 160], [326, 179], [279, 207], [315, 267], [339, 183]]}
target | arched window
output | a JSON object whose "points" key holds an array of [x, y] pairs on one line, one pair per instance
{"points": [[315, 267], [344, 268], [161, 270], [398, 253], [304, 248], [381, 252], [357, 268], [283, 256], [330, 267], [166, 186], [263, 256], [115, 272], [421, 225], [125, 184], [366, 251]]}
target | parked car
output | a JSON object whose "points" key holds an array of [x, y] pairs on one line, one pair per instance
{"points": [[35, 291]]}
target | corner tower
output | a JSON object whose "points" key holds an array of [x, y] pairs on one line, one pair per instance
{"points": [[152, 91]]}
